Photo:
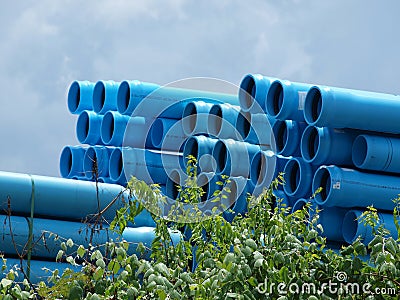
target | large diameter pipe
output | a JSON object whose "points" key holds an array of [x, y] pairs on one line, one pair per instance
{"points": [[345, 108], [105, 96], [167, 102], [377, 153], [285, 100], [88, 128], [61, 198], [331, 219], [350, 188], [46, 245], [71, 161], [227, 153], [167, 134], [195, 117], [353, 226], [201, 148], [298, 177], [96, 161], [221, 121], [255, 129], [323, 145], [253, 91], [80, 96], [113, 128], [287, 137]]}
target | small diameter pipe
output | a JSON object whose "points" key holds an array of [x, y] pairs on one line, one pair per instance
{"points": [[346, 108], [71, 161], [255, 129], [88, 128], [105, 96], [80, 96], [253, 91], [323, 145], [96, 161], [201, 148], [377, 153], [195, 117], [285, 100], [287, 137], [221, 121], [61, 198], [298, 177], [167, 134], [353, 226], [166, 102], [113, 128], [350, 188], [227, 154]]}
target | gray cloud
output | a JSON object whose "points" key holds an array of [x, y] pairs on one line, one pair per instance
{"points": [[45, 45]]}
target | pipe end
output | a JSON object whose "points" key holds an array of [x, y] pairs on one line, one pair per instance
{"points": [[123, 97], [313, 105], [350, 226], [274, 99], [99, 96]]}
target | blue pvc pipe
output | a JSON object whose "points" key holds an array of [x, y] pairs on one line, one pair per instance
{"points": [[285, 100], [173, 180], [137, 133], [263, 169], [345, 108], [60, 198], [113, 128], [167, 102], [298, 177], [255, 129], [299, 204], [80, 96], [236, 201], [96, 161], [208, 182], [287, 137], [228, 153], [323, 145], [195, 117], [353, 227], [376, 153], [105, 96], [71, 161], [201, 148], [221, 121], [331, 219], [350, 188], [253, 91], [88, 128], [167, 134]]}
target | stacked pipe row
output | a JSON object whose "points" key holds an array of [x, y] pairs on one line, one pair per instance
{"points": [[341, 140]]}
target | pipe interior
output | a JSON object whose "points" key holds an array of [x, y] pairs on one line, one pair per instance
{"points": [[294, 176], [325, 183], [255, 168], [66, 162], [350, 226], [233, 196], [359, 151], [221, 153], [217, 119], [123, 97], [249, 87], [316, 104], [116, 164], [157, 132], [82, 127], [298, 205], [99, 96], [107, 127], [313, 143], [281, 137], [189, 118], [277, 97], [74, 96]]}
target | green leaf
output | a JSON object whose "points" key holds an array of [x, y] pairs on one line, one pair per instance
{"points": [[258, 263], [81, 251], [6, 282], [70, 243]]}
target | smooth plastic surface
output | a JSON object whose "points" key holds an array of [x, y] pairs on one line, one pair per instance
{"points": [[287, 137], [105, 96], [71, 161], [201, 148], [323, 145], [113, 128], [298, 177], [88, 128], [195, 117], [377, 153], [221, 120], [96, 161], [253, 91], [350, 188], [263, 169], [345, 108], [285, 100], [167, 134], [80, 96], [331, 219], [353, 226], [137, 133], [255, 129]]}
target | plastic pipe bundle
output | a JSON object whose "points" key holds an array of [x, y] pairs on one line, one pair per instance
{"points": [[105, 96], [378, 153], [298, 177], [253, 91], [350, 188], [80, 96], [323, 145], [167, 134], [201, 148], [353, 226], [345, 108], [285, 100], [221, 121], [195, 117], [88, 128], [288, 136]]}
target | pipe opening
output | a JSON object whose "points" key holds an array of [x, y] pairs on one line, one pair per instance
{"points": [[313, 143], [99, 96], [82, 127], [350, 226], [89, 162], [281, 136], [220, 155], [256, 169], [189, 117], [313, 109], [325, 183], [298, 205], [215, 122], [243, 125], [359, 151], [66, 162], [276, 94], [157, 132], [233, 195], [116, 167], [107, 127], [123, 97], [294, 177], [74, 96], [247, 92]]}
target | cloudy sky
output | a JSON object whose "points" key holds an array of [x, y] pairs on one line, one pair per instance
{"points": [[47, 44]]}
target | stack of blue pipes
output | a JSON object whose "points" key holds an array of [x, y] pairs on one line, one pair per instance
{"points": [[341, 140]]}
